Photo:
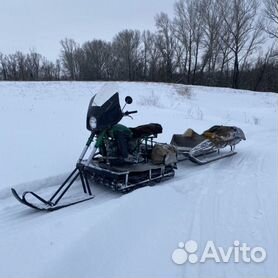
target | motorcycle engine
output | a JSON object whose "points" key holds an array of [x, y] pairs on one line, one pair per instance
{"points": [[111, 148]]}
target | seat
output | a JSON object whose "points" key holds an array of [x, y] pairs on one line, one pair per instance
{"points": [[146, 130]]}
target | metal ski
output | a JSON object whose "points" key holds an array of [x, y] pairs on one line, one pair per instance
{"points": [[45, 207], [202, 161], [198, 154], [53, 203]]}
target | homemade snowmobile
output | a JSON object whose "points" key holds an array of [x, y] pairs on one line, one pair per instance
{"points": [[149, 162]]}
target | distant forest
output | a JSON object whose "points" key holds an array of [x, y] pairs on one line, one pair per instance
{"points": [[227, 43]]}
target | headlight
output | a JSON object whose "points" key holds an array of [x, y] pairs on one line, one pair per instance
{"points": [[93, 122]]}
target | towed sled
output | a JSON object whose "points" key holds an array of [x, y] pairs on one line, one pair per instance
{"points": [[104, 159], [207, 147]]}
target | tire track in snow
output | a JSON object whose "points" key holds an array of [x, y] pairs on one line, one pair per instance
{"points": [[246, 199], [218, 180], [205, 197]]}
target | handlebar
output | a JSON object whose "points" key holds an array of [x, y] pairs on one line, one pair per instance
{"points": [[130, 112]]}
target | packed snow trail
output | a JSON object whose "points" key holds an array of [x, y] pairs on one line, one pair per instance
{"points": [[134, 235]]}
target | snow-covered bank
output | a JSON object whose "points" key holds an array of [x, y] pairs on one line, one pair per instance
{"points": [[43, 132]]}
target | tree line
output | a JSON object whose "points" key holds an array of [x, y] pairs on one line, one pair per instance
{"points": [[207, 42]]}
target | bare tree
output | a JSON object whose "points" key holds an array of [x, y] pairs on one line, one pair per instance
{"points": [[21, 66], [212, 27], [145, 38], [241, 20], [26, 67], [12, 67], [68, 56], [166, 44], [271, 13], [261, 65], [188, 26], [225, 52], [126, 50], [150, 56], [33, 60], [3, 67], [96, 57], [181, 32]]}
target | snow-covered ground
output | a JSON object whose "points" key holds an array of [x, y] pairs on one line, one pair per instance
{"points": [[134, 235]]}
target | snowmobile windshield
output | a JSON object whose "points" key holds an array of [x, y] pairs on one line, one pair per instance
{"points": [[102, 113]]}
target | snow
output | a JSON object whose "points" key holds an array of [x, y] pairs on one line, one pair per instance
{"points": [[134, 235]]}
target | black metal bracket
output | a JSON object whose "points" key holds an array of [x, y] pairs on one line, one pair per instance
{"points": [[64, 187]]}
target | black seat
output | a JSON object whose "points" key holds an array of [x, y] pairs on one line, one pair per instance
{"points": [[146, 130]]}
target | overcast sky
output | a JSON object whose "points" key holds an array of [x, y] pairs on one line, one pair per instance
{"points": [[41, 24]]}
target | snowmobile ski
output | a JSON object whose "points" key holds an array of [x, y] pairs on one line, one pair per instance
{"points": [[45, 206], [53, 203], [201, 161], [201, 154]]}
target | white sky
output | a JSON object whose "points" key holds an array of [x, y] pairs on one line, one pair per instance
{"points": [[41, 24]]}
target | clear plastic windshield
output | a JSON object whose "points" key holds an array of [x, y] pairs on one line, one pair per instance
{"points": [[101, 98]]}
